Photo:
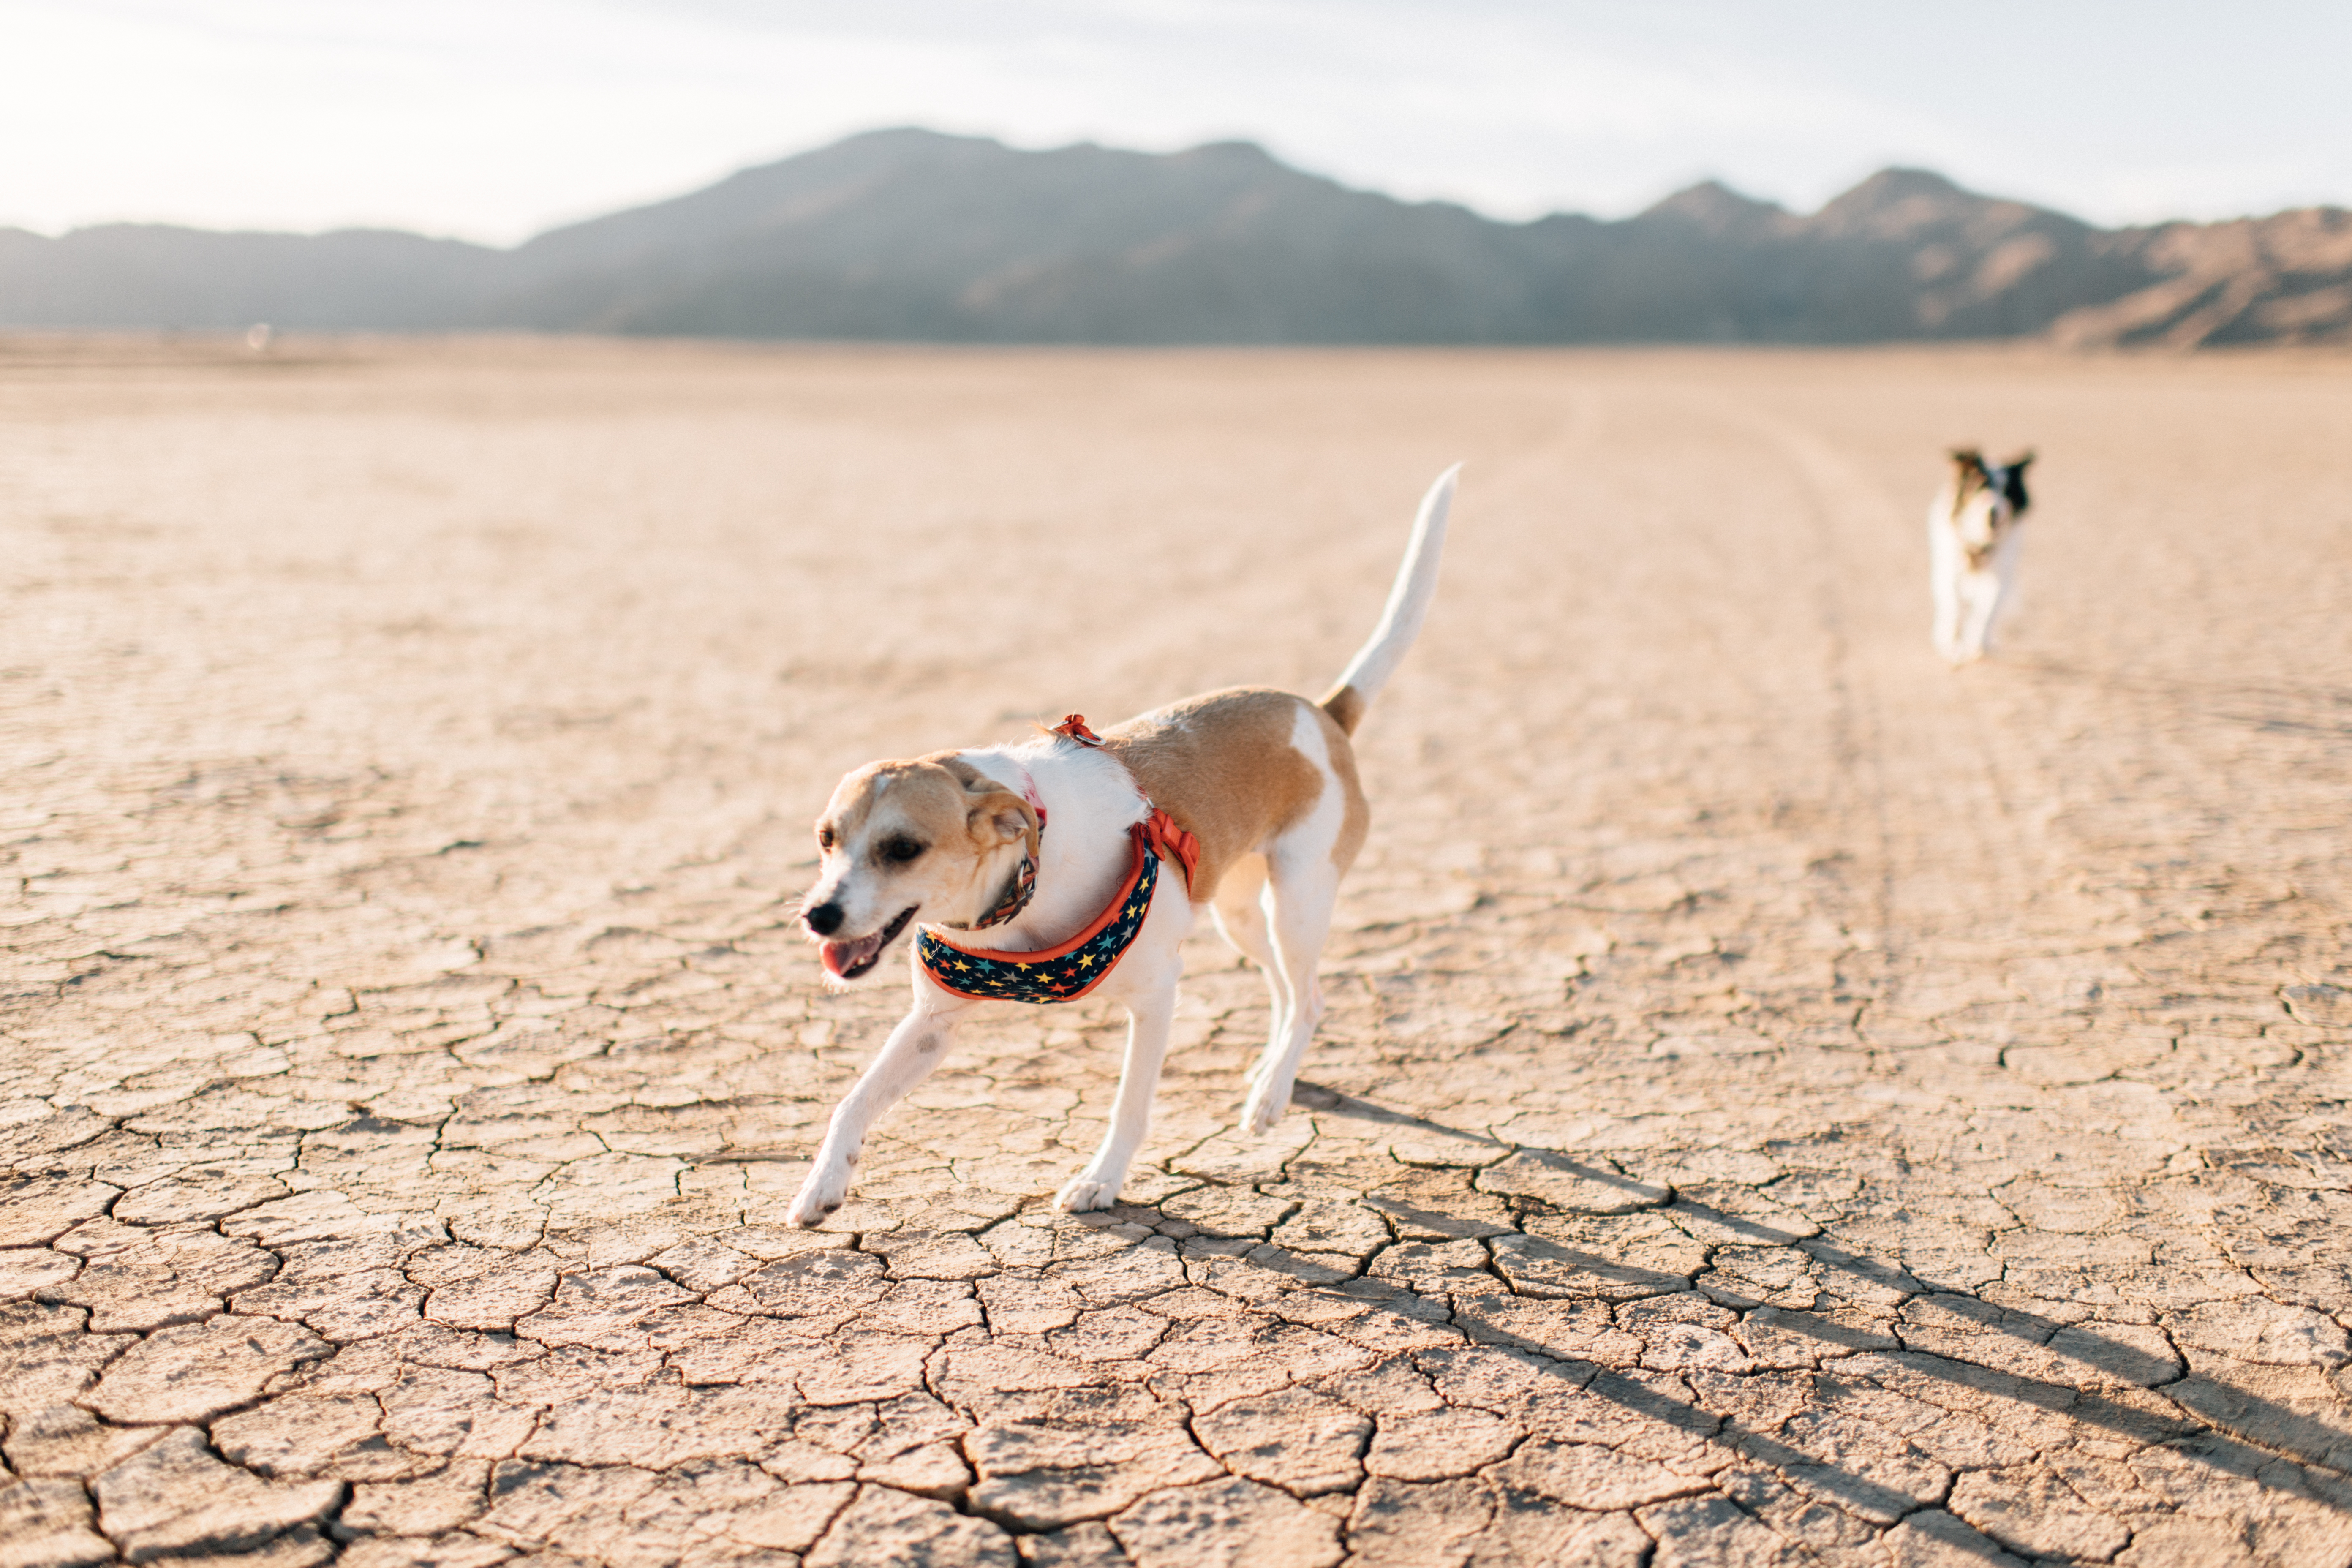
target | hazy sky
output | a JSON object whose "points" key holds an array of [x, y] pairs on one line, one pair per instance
{"points": [[492, 119]]}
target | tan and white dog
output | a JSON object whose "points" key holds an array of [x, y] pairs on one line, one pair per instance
{"points": [[1972, 546], [1039, 842]]}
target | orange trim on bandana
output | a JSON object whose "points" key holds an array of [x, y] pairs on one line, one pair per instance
{"points": [[1063, 972]]}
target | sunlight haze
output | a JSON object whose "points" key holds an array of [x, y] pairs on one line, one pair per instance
{"points": [[494, 122]]}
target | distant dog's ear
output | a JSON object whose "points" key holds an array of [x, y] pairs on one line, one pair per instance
{"points": [[2013, 481], [1968, 459]]}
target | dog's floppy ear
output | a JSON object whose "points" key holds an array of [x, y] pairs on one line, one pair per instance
{"points": [[996, 816], [2020, 461], [1968, 460], [993, 815]]}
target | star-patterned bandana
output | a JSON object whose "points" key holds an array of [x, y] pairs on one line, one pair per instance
{"points": [[1069, 972]]}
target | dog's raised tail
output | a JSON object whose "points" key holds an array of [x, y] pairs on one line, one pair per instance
{"points": [[1416, 585]]}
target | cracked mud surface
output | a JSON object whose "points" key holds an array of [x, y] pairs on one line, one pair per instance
{"points": [[1781, 1100]]}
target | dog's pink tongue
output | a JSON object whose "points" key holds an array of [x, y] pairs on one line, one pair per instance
{"points": [[837, 956]]}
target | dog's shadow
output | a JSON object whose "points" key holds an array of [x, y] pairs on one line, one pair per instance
{"points": [[2205, 1431], [2199, 1432]]}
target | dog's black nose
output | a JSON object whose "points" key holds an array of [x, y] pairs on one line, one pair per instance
{"points": [[824, 920]]}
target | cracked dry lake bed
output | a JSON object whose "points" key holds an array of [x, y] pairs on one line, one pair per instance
{"points": [[1781, 1101]]}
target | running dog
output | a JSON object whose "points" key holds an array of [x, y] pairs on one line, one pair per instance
{"points": [[1972, 543], [1086, 859]]}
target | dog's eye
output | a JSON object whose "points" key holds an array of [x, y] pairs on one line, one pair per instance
{"points": [[824, 839], [901, 849]]}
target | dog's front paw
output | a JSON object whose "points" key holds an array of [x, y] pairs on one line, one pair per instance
{"points": [[826, 1189], [1087, 1193]]}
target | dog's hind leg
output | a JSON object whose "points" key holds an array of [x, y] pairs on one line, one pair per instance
{"points": [[1305, 885], [1097, 1186], [1240, 911], [1241, 905], [919, 1044]]}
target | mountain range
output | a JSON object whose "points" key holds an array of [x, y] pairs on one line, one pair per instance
{"points": [[912, 234]]}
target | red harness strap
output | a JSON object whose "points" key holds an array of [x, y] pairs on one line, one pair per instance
{"points": [[1171, 842]]}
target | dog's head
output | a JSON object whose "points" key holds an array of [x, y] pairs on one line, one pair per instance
{"points": [[1986, 499], [934, 835]]}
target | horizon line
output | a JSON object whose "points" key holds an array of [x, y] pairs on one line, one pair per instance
{"points": [[1253, 144]]}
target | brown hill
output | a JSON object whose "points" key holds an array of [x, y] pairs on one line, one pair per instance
{"points": [[909, 235], [2285, 278]]}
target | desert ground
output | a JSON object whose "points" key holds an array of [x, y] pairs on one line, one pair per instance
{"points": [[1782, 1100]]}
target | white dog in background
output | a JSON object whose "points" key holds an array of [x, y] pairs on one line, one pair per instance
{"points": [[1973, 544], [1245, 799]]}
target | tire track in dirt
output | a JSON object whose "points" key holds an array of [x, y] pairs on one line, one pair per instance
{"points": [[1964, 866]]}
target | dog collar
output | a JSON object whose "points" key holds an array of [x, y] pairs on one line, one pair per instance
{"points": [[1023, 886], [1065, 972], [1017, 893]]}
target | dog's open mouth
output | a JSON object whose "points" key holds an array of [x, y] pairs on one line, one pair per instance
{"points": [[848, 960]]}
